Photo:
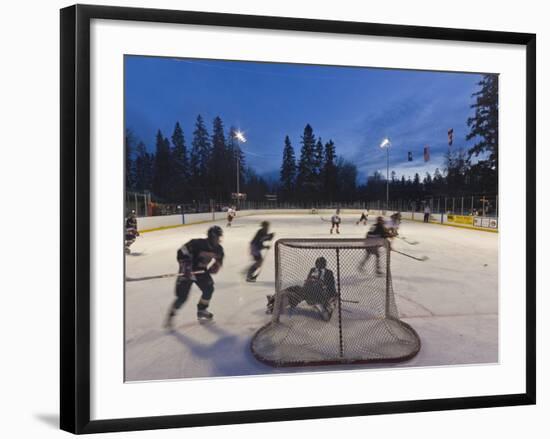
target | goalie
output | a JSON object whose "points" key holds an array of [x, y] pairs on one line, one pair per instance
{"points": [[319, 291]]}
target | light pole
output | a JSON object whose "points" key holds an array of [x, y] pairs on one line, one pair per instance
{"points": [[239, 135], [386, 145]]}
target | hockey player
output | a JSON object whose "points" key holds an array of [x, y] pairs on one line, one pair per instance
{"points": [[364, 218], [335, 221], [231, 213], [395, 221], [379, 230], [257, 244], [194, 258], [319, 290], [131, 231]]}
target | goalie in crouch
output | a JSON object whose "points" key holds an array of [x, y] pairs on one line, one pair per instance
{"points": [[319, 291], [194, 258]]}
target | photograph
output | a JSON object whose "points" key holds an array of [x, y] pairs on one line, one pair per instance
{"points": [[294, 218]]}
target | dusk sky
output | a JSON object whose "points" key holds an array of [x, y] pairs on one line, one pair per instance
{"points": [[355, 107]]}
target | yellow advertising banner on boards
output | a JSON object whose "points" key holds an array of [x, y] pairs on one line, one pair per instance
{"points": [[461, 219]]}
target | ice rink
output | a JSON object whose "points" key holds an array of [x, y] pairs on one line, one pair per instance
{"points": [[450, 299]]}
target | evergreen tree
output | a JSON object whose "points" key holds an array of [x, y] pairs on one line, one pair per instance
{"points": [[143, 169], [438, 182], [255, 187], [180, 165], [329, 173], [484, 124], [199, 160], [288, 171], [306, 181], [347, 180], [129, 141], [457, 166], [483, 175], [219, 172], [162, 168]]}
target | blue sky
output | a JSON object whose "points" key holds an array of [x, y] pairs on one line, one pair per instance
{"points": [[355, 107]]}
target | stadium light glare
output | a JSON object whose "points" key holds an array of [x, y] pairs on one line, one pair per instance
{"points": [[385, 143], [239, 135]]}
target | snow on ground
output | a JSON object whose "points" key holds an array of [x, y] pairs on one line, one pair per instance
{"points": [[451, 299]]}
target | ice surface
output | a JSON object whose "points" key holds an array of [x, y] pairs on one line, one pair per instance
{"points": [[451, 299]]}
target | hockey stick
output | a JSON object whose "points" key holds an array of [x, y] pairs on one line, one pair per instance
{"points": [[349, 301], [162, 276], [422, 258]]}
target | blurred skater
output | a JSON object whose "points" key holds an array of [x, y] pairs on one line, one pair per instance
{"points": [[231, 213], [257, 244], [335, 220], [364, 218], [377, 231]]}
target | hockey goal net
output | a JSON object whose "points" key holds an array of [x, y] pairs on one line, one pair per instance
{"points": [[333, 304]]}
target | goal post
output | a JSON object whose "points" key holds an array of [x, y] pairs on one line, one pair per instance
{"points": [[333, 304]]}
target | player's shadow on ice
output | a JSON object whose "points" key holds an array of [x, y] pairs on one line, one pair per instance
{"points": [[231, 353]]}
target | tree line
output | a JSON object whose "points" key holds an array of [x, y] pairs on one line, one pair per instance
{"points": [[318, 175], [207, 168], [178, 173]]}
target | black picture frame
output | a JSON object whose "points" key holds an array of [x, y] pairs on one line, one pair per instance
{"points": [[75, 217]]}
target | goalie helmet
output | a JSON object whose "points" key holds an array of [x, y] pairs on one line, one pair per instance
{"points": [[320, 263]]}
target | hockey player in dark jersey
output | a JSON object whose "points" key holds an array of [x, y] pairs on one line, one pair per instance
{"points": [[257, 244], [319, 291], [378, 230], [195, 266], [364, 218], [131, 231]]}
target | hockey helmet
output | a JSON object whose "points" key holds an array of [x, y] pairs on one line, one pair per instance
{"points": [[215, 231], [320, 262]]}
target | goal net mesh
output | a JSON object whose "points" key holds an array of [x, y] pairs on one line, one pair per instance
{"points": [[333, 304]]}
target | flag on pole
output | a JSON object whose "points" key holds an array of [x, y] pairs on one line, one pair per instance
{"points": [[410, 157], [450, 136], [426, 153]]}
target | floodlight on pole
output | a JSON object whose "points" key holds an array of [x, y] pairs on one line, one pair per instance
{"points": [[239, 135], [386, 145]]}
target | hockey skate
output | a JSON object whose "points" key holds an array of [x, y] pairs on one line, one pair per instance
{"points": [[204, 316], [168, 322]]}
